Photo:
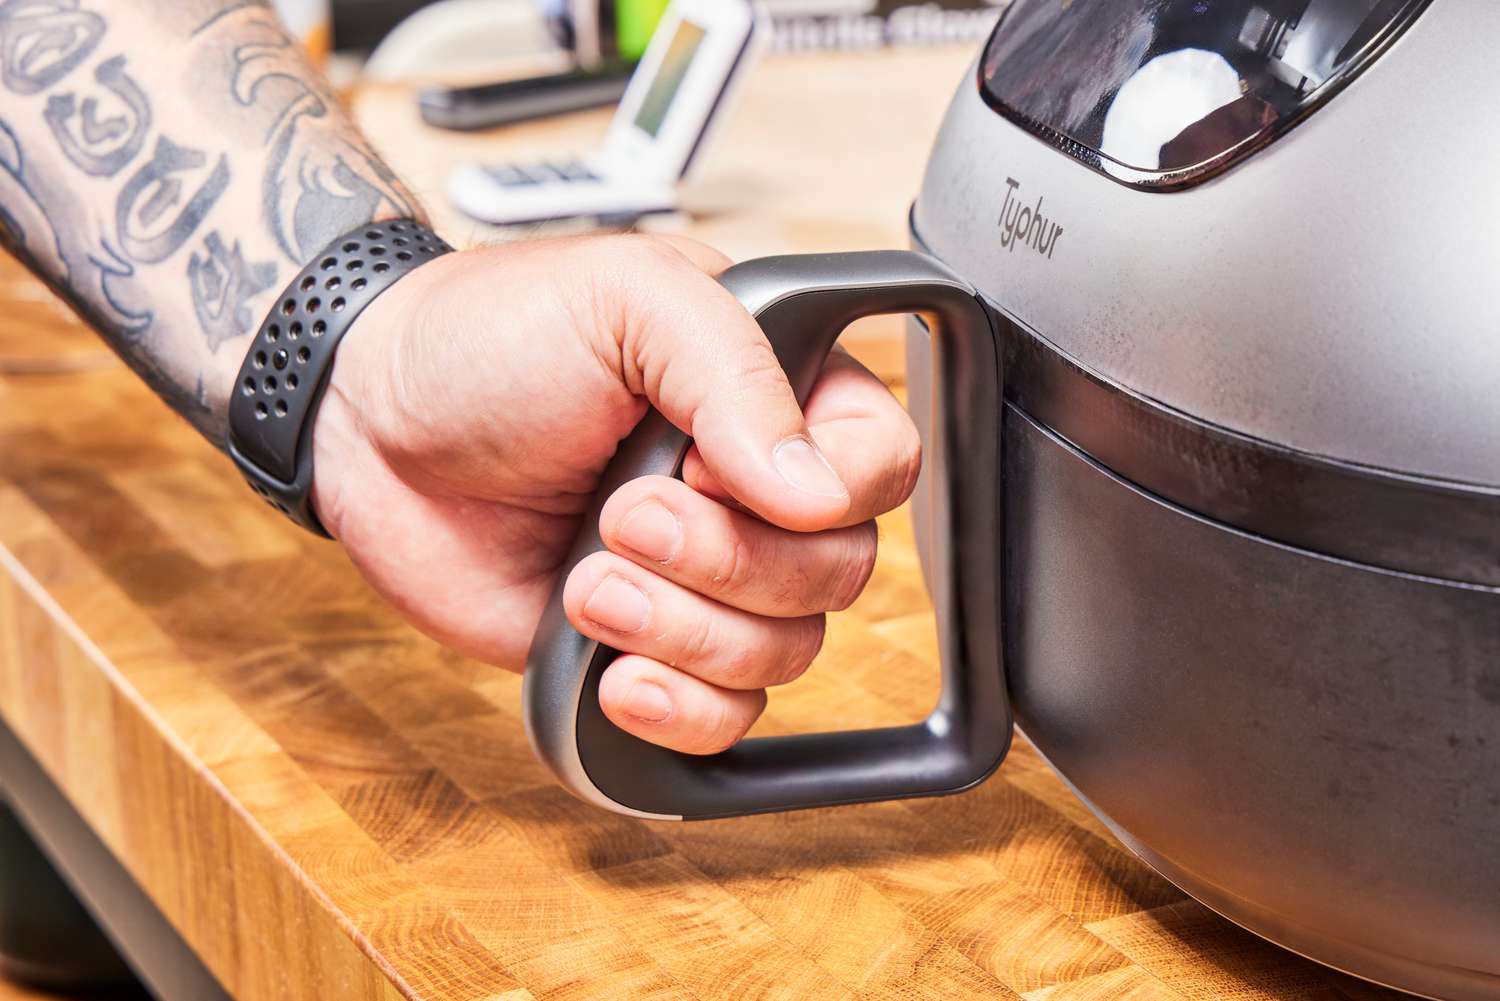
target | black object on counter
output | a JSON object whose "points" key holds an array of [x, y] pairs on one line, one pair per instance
{"points": [[491, 104]]}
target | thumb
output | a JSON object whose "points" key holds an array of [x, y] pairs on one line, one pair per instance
{"points": [[693, 351]]}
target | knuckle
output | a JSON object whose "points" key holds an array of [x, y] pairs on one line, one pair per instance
{"points": [[758, 365], [740, 667], [854, 565], [627, 266], [733, 572], [652, 251], [721, 729], [698, 642], [908, 463], [709, 254], [746, 666], [807, 642]]}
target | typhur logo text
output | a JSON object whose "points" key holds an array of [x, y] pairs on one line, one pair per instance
{"points": [[1025, 224]]}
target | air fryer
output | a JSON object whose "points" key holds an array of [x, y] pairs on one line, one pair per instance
{"points": [[1205, 300]]}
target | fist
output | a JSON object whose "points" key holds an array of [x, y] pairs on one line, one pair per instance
{"points": [[473, 407]]}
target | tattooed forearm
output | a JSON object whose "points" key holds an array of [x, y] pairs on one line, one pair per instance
{"points": [[44, 41], [95, 144], [166, 168], [223, 283], [150, 217], [321, 180]]}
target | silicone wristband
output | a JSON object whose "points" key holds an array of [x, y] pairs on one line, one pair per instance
{"points": [[282, 379]]}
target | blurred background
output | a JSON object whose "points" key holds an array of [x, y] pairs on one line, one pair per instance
{"points": [[359, 25], [820, 147]]}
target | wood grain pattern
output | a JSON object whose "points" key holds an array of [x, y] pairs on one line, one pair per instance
{"points": [[329, 806]]}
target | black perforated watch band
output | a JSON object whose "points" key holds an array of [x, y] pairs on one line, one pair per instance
{"points": [[286, 369]]}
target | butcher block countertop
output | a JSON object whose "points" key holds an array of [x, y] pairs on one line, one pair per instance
{"points": [[324, 805]]}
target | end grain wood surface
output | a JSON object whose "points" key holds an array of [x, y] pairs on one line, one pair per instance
{"points": [[327, 806]]}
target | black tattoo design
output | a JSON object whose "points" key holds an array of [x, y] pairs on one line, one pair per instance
{"points": [[154, 191], [24, 226], [223, 284], [226, 11], [320, 181], [42, 41], [115, 312], [113, 150], [102, 146], [93, 281]]}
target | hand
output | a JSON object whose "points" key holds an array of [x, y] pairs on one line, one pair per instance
{"points": [[473, 407]]}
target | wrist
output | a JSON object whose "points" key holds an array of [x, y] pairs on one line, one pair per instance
{"points": [[336, 439], [287, 372], [357, 395]]}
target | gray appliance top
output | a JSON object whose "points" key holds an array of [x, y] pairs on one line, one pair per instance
{"points": [[1337, 293], [1164, 94]]}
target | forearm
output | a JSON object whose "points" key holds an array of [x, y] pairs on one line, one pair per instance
{"points": [[167, 167]]}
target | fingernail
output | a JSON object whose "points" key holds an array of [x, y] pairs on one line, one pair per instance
{"points": [[653, 531], [619, 605], [801, 464], [648, 701]]}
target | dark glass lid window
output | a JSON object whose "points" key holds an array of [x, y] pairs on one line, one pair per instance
{"points": [[1164, 93]]}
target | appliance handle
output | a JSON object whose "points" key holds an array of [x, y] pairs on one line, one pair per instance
{"points": [[803, 303]]}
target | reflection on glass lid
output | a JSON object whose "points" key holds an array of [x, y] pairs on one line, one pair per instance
{"points": [[1163, 92]]}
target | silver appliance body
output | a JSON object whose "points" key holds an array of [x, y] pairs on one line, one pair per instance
{"points": [[1251, 498]]}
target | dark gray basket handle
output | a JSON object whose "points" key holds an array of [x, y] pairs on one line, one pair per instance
{"points": [[803, 303]]}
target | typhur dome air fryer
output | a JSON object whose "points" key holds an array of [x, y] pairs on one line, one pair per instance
{"points": [[1213, 498]]}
